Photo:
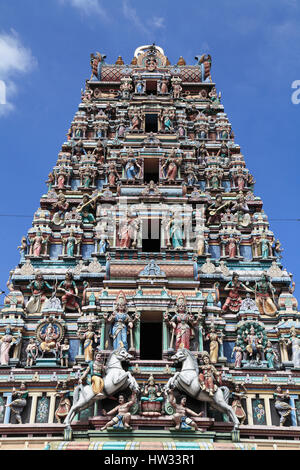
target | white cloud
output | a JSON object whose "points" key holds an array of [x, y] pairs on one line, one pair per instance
{"points": [[157, 22], [15, 59], [130, 14], [88, 7]]}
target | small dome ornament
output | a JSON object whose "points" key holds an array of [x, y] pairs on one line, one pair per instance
{"points": [[181, 61]]}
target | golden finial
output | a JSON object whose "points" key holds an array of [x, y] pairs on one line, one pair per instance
{"points": [[119, 61], [181, 61], [134, 61]]}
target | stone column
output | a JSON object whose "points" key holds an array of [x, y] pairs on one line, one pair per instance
{"points": [[52, 397], [293, 398], [35, 396], [250, 397], [267, 399]]}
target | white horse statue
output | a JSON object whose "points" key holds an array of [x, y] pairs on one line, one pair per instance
{"points": [[187, 381], [115, 380]]}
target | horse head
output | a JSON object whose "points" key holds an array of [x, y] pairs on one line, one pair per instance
{"points": [[180, 355], [123, 355]]}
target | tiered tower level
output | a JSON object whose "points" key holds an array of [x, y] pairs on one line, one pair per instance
{"points": [[150, 242]]}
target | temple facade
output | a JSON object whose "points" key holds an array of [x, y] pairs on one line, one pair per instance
{"points": [[150, 308]]}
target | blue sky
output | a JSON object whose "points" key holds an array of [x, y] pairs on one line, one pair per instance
{"points": [[45, 51]]}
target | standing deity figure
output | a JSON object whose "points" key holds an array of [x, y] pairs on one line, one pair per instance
{"points": [[238, 351], [90, 341], [164, 86], [234, 300], [18, 404], [214, 341], [232, 244], [277, 250], [23, 249], [112, 174], [122, 413], [38, 297], [132, 168], [171, 167], [254, 343], [270, 355], [223, 153], [177, 89], [175, 232], [294, 342], [129, 230], [64, 404], [264, 293], [6, 343], [60, 208], [191, 176], [31, 353], [151, 399], [140, 86], [136, 120], [122, 324], [64, 350], [209, 377], [283, 409], [71, 242], [237, 406], [50, 181], [37, 243], [70, 290], [182, 324], [93, 375], [181, 417]]}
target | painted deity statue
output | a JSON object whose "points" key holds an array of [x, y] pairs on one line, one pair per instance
{"points": [[64, 404], [254, 343], [214, 341], [181, 417], [182, 324], [6, 343], [209, 377], [38, 243], [60, 208], [70, 290], [86, 210], [90, 341], [71, 243], [31, 353], [238, 351], [19, 403], [122, 324], [175, 232], [64, 350], [151, 398], [237, 406], [264, 292], [94, 373], [283, 408], [270, 355], [49, 339], [38, 288], [132, 168], [294, 343], [122, 413], [129, 230], [234, 299], [171, 167]]}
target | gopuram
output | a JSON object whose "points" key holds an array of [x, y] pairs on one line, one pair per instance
{"points": [[150, 308]]}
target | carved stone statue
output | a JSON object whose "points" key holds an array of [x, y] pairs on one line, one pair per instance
{"points": [[151, 398], [214, 341], [234, 300], [209, 377], [182, 324], [31, 353], [90, 341], [38, 288], [122, 324], [237, 406], [6, 343], [64, 404]]}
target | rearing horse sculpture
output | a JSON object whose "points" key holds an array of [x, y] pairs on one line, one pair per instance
{"points": [[187, 381], [115, 380]]}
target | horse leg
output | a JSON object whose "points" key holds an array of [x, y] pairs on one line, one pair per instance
{"points": [[220, 404]]}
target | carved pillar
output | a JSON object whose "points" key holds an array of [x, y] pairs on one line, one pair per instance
{"points": [[51, 407], [102, 337], [35, 396], [137, 334], [267, 399], [250, 397], [293, 398], [7, 395]]}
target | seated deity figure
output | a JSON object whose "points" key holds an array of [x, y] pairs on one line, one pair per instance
{"points": [[151, 398], [234, 299]]}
